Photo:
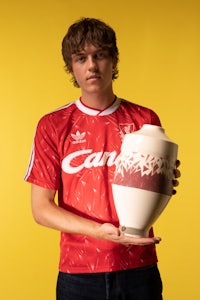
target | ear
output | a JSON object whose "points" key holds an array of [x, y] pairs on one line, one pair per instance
{"points": [[114, 63]]}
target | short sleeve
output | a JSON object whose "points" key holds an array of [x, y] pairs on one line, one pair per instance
{"points": [[44, 166]]}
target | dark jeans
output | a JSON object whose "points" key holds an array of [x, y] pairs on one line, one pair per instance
{"points": [[135, 284]]}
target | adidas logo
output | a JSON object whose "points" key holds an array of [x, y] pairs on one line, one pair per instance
{"points": [[78, 137]]}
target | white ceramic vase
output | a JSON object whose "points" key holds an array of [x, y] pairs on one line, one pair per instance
{"points": [[142, 184]]}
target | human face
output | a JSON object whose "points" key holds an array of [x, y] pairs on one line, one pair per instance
{"points": [[92, 68]]}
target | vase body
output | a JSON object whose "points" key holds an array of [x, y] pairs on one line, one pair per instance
{"points": [[142, 184]]}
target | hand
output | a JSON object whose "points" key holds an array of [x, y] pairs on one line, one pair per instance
{"points": [[177, 174], [111, 233]]}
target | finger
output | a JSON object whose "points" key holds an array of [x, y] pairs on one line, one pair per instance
{"points": [[175, 182], [178, 163], [177, 173], [141, 241], [174, 192], [147, 241], [144, 242]]}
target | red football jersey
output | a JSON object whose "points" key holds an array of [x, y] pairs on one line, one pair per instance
{"points": [[74, 152]]}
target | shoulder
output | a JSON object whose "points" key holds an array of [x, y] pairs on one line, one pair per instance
{"points": [[149, 115], [132, 105], [58, 115]]}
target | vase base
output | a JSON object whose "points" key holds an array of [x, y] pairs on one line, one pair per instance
{"points": [[134, 232]]}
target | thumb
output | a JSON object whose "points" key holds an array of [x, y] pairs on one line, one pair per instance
{"points": [[111, 229]]}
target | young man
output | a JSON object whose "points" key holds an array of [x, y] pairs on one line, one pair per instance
{"points": [[74, 153]]}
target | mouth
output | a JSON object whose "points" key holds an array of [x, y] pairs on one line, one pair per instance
{"points": [[93, 77]]}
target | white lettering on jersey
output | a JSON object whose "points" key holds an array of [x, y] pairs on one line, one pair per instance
{"points": [[95, 159]]}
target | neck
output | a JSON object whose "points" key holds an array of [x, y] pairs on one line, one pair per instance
{"points": [[98, 101]]}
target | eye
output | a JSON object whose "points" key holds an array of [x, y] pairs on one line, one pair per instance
{"points": [[100, 55], [80, 58]]}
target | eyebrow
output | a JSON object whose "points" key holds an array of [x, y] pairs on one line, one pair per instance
{"points": [[81, 52]]}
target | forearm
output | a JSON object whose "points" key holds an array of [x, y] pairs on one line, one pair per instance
{"points": [[55, 217], [47, 213]]}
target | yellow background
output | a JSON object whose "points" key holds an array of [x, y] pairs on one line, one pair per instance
{"points": [[159, 43]]}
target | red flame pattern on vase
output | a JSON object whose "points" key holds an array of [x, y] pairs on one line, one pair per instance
{"points": [[145, 171]]}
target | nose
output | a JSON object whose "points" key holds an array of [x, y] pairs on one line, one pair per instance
{"points": [[92, 65]]}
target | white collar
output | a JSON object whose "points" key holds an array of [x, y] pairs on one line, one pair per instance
{"points": [[95, 112]]}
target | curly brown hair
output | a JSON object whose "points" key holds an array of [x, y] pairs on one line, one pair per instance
{"points": [[89, 31]]}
